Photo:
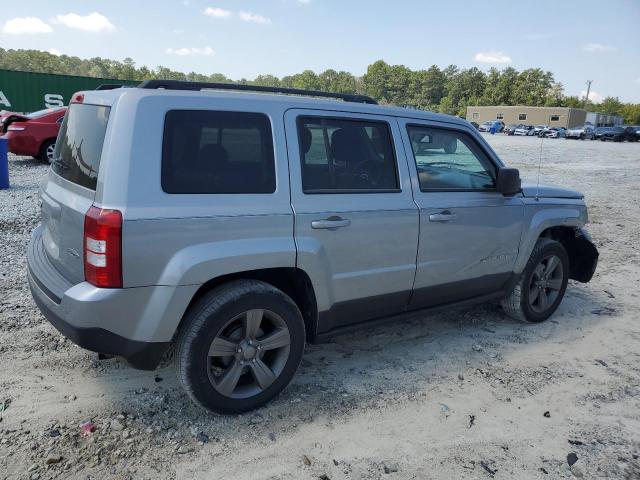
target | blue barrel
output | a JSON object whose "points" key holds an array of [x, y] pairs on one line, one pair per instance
{"points": [[4, 163]]}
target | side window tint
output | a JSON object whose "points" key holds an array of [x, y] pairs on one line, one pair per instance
{"points": [[346, 156], [449, 160], [217, 152]]}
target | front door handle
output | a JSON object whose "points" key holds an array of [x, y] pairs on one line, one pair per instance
{"points": [[330, 223], [445, 216]]}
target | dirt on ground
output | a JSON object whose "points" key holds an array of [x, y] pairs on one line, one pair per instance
{"points": [[463, 394]]}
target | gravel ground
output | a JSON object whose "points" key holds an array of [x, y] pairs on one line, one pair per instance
{"points": [[465, 394]]}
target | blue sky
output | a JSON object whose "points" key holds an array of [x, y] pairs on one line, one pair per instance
{"points": [[576, 40]]}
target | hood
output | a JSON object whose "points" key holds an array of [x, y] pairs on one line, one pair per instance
{"points": [[548, 191]]}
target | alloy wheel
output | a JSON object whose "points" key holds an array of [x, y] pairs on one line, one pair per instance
{"points": [[50, 151], [546, 283], [248, 353]]}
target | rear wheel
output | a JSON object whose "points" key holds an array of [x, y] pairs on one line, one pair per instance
{"points": [[542, 284], [46, 151], [240, 346]]}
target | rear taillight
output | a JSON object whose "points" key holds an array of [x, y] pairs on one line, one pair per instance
{"points": [[103, 247]]}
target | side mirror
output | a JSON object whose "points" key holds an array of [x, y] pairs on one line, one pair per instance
{"points": [[508, 181]]}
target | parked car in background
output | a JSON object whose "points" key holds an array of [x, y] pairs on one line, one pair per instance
{"points": [[553, 132], [523, 130], [637, 128], [498, 126], [509, 130], [620, 134], [583, 133], [475, 125], [599, 132], [538, 128], [33, 134]]}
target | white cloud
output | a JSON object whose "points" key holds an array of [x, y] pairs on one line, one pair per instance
{"points": [[598, 48], [190, 51], [638, 80], [25, 25], [185, 3], [304, 1], [54, 51], [594, 97], [94, 22], [254, 17], [217, 12], [492, 57]]}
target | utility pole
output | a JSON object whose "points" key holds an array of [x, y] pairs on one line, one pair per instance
{"points": [[586, 98]]}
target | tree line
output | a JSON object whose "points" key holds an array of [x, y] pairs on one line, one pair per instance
{"points": [[447, 90]]}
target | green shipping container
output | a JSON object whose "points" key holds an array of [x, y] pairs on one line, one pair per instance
{"points": [[26, 92]]}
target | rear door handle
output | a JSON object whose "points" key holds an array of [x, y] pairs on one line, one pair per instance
{"points": [[330, 223], [445, 216]]}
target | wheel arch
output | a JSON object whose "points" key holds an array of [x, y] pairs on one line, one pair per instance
{"points": [[293, 281], [583, 254]]}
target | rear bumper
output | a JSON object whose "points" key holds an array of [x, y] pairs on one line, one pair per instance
{"points": [[141, 355], [135, 323]]}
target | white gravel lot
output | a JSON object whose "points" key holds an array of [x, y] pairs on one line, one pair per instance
{"points": [[464, 394]]}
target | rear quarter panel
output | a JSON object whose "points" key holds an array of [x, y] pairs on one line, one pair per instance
{"points": [[178, 239]]}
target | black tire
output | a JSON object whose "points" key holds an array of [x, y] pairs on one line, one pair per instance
{"points": [[46, 149], [206, 321], [451, 146], [517, 303]]}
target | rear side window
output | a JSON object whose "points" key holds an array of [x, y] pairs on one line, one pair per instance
{"points": [[217, 152], [79, 145], [343, 156]]}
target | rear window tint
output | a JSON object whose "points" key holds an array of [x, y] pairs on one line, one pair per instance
{"points": [[79, 145], [217, 152]]}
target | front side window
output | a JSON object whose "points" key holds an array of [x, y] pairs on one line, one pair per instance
{"points": [[522, 116], [342, 156], [449, 160], [217, 152]]}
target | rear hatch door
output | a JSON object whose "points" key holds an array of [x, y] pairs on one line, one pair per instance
{"points": [[70, 188]]}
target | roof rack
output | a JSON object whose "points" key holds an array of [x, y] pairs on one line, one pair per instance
{"points": [[108, 86], [183, 85]]}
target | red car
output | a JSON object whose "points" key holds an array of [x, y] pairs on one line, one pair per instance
{"points": [[33, 134]]}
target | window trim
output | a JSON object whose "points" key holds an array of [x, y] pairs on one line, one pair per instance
{"points": [[477, 144], [333, 191], [270, 136]]}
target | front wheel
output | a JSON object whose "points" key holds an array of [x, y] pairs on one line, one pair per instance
{"points": [[542, 283], [240, 346]]}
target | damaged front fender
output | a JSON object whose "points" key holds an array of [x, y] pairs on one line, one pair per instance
{"points": [[583, 255]]}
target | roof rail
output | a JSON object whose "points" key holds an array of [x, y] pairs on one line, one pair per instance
{"points": [[183, 85], [108, 86]]}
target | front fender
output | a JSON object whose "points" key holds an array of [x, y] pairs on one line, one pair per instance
{"points": [[544, 215]]}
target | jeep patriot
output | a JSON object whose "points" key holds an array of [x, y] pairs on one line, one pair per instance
{"points": [[236, 226]]}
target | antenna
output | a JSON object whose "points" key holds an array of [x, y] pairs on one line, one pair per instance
{"points": [[539, 167]]}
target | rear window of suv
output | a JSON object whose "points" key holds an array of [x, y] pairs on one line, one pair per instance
{"points": [[217, 152], [78, 151]]}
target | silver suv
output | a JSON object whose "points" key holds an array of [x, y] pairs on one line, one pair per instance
{"points": [[237, 226]]}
